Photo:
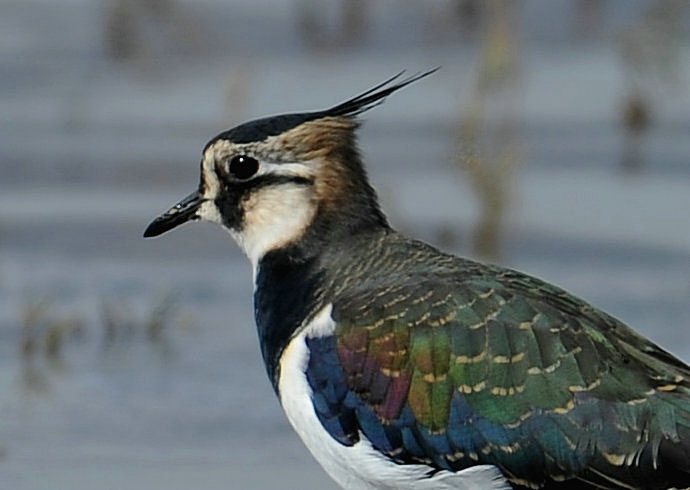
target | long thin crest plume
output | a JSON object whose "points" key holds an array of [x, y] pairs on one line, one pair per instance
{"points": [[260, 129], [374, 96]]}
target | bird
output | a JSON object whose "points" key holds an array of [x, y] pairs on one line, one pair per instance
{"points": [[401, 366]]}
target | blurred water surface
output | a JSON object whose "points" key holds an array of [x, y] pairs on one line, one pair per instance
{"points": [[127, 363]]}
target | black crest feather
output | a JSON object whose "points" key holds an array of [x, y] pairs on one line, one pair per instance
{"points": [[374, 96], [260, 129]]}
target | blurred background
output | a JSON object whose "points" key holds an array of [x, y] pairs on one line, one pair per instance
{"points": [[555, 140]]}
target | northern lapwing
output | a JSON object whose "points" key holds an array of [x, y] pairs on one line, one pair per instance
{"points": [[404, 367]]}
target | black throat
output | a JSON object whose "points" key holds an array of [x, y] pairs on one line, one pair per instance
{"points": [[288, 286]]}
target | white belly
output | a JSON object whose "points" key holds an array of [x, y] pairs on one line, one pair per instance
{"points": [[359, 466]]}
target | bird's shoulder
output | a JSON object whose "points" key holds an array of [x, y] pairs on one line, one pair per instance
{"points": [[410, 286]]}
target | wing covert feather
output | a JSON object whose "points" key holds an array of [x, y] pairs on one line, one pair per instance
{"points": [[507, 371]]}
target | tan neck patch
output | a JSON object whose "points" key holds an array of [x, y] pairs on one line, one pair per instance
{"points": [[322, 142]]}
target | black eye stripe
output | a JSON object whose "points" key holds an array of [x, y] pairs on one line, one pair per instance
{"points": [[269, 180]]}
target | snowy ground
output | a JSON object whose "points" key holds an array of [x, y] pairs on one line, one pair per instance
{"points": [[91, 150]]}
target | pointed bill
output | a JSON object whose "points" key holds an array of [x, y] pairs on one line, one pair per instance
{"points": [[185, 210]]}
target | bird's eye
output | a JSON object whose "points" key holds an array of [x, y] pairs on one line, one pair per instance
{"points": [[242, 167]]}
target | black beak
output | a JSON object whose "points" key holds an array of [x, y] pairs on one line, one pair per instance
{"points": [[185, 210]]}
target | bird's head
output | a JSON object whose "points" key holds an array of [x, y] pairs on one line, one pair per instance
{"points": [[270, 180]]}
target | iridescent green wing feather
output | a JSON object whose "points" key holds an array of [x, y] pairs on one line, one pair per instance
{"points": [[487, 365]]}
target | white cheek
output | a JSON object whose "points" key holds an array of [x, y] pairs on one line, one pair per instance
{"points": [[274, 217]]}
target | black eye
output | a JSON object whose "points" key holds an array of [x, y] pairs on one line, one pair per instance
{"points": [[242, 167]]}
